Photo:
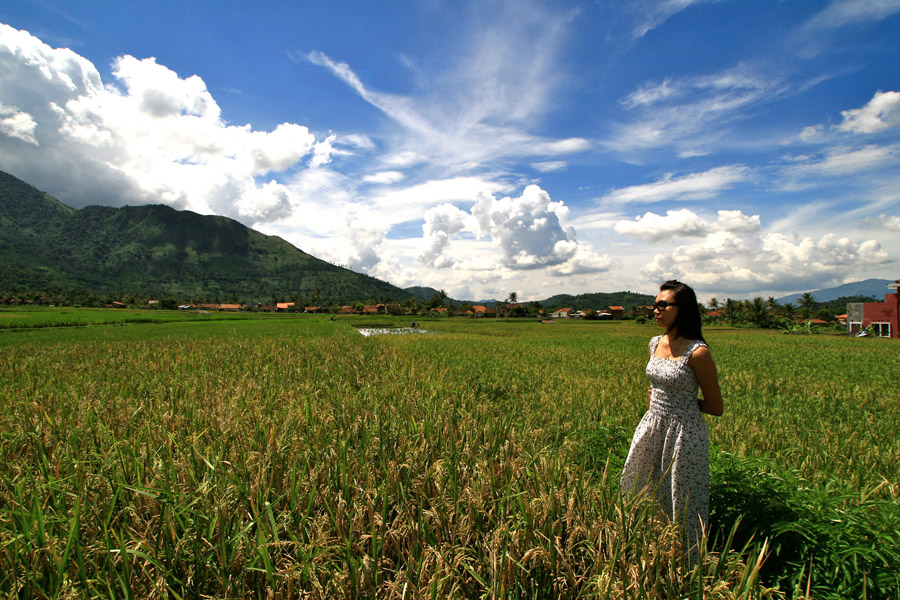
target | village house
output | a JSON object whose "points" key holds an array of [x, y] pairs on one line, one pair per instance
{"points": [[883, 317], [618, 312], [644, 311], [482, 311], [284, 306], [563, 313]]}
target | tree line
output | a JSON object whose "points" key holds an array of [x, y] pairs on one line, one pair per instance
{"points": [[769, 313]]}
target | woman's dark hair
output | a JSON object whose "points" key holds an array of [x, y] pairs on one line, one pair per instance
{"points": [[688, 320]]}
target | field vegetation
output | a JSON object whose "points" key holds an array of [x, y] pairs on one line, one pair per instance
{"points": [[289, 456]]}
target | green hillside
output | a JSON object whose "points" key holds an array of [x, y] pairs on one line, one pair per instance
{"points": [[599, 300], [156, 250]]}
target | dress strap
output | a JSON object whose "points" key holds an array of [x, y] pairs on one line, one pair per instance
{"points": [[653, 344], [686, 355]]}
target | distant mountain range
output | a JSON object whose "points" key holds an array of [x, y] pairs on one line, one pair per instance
{"points": [[155, 250], [875, 288]]}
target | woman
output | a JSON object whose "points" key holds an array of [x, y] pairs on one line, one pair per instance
{"points": [[669, 452]]}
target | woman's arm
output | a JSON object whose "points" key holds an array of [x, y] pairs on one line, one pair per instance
{"points": [[649, 391], [701, 362]]}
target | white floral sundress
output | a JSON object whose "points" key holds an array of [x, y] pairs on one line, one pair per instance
{"points": [[670, 449]]}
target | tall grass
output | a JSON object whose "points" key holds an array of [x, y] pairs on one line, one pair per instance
{"points": [[299, 459]]}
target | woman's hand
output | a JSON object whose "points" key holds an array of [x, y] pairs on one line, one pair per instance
{"points": [[701, 362]]}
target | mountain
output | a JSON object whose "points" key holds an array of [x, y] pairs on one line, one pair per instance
{"points": [[875, 288], [423, 294], [156, 250], [599, 300]]}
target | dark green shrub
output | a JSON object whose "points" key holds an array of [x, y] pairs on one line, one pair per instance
{"points": [[835, 540]]}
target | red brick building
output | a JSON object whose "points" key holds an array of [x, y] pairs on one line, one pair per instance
{"points": [[884, 317]]}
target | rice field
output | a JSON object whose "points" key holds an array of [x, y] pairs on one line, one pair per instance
{"points": [[294, 457]]}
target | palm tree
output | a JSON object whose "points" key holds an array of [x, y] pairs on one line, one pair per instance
{"points": [[807, 302], [788, 311], [772, 305], [730, 310], [713, 303], [513, 298], [756, 312]]}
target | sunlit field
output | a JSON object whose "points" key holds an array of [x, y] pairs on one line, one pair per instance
{"points": [[289, 456]]}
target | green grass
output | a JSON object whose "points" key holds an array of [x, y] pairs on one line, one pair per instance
{"points": [[15, 317], [293, 457]]}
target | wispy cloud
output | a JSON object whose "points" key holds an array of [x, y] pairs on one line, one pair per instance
{"points": [[482, 107], [691, 112], [840, 13], [695, 186], [838, 162], [653, 13], [549, 166]]}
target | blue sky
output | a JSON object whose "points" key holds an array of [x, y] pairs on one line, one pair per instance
{"points": [[746, 147]]}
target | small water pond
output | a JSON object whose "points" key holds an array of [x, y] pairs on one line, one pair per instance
{"points": [[367, 331]]}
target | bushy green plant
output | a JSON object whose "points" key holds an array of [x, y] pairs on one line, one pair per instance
{"points": [[828, 538]]}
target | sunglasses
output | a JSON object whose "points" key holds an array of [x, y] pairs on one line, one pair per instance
{"points": [[663, 305]]}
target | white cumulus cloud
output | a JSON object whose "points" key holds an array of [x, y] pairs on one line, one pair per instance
{"points": [[529, 231], [881, 112], [441, 224], [17, 124], [150, 136], [735, 263], [883, 221], [529, 228], [685, 223]]}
